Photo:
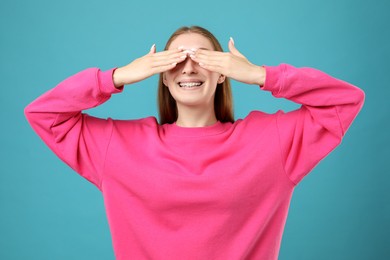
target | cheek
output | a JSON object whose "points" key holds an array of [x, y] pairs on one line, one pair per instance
{"points": [[174, 70], [213, 77], [168, 77]]}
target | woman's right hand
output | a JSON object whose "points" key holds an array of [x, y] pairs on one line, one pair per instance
{"points": [[148, 65]]}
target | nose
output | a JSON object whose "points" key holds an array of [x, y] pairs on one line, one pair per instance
{"points": [[189, 66]]}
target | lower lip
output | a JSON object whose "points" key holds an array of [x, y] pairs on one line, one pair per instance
{"points": [[191, 88]]}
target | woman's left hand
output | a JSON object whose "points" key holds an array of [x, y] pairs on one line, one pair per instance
{"points": [[231, 64]]}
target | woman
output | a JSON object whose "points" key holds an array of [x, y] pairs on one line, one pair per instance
{"points": [[199, 185]]}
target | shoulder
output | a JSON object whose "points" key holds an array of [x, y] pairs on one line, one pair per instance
{"points": [[259, 117], [256, 121], [142, 124]]}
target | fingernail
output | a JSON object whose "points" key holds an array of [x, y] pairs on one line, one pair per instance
{"points": [[180, 47], [192, 56], [174, 64], [231, 38], [184, 56], [201, 64], [154, 45], [194, 49]]}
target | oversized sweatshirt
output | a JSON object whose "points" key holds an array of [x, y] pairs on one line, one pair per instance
{"points": [[216, 192]]}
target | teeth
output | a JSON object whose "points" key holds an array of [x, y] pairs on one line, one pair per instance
{"points": [[190, 84]]}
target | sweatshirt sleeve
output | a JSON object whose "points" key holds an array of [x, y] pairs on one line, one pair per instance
{"points": [[78, 139], [329, 106]]}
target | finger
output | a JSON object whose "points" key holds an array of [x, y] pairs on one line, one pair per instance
{"points": [[212, 63], [205, 56], [208, 53], [166, 56], [152, 49], [213, 68], [233, 49], [164, 68], [204, 60], [222, 65], [231, 40], [167, 52], [166, 61]]}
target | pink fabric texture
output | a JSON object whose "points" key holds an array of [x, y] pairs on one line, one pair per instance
{"points": [[216, 192]]}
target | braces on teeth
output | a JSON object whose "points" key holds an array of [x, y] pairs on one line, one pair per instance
{"points": [[190, 84]]}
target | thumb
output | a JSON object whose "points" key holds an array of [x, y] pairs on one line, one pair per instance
{"points": [[152, 49], [233, 49]]}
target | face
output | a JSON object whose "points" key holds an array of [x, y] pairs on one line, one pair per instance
{"points": [[188, 83]]}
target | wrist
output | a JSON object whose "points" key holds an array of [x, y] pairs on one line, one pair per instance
{"points": [[259, 75], [117, 79]]}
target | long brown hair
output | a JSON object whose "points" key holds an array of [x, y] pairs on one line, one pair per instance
{"points": [[223, 101]]}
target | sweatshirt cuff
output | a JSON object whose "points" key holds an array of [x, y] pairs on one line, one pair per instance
{"points": [[106, 82], [273, 79]]}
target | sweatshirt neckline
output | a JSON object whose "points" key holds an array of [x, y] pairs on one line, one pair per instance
{"points": [[217, 128]]}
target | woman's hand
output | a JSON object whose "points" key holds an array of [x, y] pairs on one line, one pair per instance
{"points": [[231, 64], [148, 65]]}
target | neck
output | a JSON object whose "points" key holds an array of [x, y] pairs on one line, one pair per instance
{"points": [[195, 117]]}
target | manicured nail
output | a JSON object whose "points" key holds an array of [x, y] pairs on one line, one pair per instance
{"points": [[192, 56], [231, 38], [153, 46], [174, 64], [180, 47], [184, 56], [201, 64]]}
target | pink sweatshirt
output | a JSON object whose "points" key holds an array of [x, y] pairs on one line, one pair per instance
{"points": [[217, 192]]}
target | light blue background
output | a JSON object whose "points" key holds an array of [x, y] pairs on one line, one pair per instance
{"points": [[339, 211]]}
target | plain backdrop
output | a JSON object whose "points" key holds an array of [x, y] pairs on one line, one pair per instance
{"points": [[339, 211]]}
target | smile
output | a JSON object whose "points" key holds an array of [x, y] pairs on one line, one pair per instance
{"points": [[190, 84]]}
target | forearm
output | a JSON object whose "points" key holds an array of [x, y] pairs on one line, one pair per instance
{"points": [[63, 104], [78, 139], [331, 102], [118, 78], [84, 90], [258, 75], [311, 87], [329, 107]]}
